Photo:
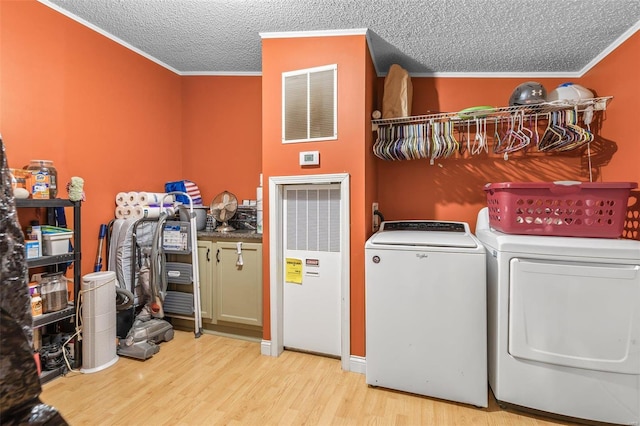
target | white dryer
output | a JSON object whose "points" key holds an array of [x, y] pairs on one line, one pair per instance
{"points": [[564, 324], [426, 310]]}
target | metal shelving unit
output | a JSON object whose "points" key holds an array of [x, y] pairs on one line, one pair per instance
{"points": [[50, 318], [52, 262]]}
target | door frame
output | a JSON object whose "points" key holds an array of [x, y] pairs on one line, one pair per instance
{"points": [[277, 186]]}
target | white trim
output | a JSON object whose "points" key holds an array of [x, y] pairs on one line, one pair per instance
{"points": [[494, 74], [358, 364], [613, 46], [307, 72], [265, 347], [317, 33], [223, 73], [107, 35], [276, 249]]}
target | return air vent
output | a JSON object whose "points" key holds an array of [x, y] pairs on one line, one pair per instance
{"points": [[309, 106], [313, 219]]}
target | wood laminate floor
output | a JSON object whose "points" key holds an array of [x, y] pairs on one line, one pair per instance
{"points": [[218, 380]]}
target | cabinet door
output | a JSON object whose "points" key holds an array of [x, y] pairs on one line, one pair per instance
{"points": [[206, 274], [239, 288]]}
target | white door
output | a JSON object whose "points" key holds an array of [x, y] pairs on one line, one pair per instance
{"points": [[312, 265]]}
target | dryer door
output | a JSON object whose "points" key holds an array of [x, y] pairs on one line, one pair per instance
{"points": [[583, 315]]}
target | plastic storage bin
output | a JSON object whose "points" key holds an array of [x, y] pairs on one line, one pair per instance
{"points": [[566, 208], [57, 243]]}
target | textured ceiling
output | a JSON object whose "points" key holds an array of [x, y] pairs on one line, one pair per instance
{"points": [[427, 37]]}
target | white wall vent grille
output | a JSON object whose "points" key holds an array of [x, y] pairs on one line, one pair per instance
{"points": [[313, 219], [309, 104]]}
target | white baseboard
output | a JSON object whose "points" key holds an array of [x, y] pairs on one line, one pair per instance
{"points": [[357, 364], [265, 347]]}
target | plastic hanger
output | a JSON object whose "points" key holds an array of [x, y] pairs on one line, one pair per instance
{"points": [[480, 140], [551, 136]]}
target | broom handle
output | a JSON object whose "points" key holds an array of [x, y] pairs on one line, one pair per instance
{"points": [[101, 235]]}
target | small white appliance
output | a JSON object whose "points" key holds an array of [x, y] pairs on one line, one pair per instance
{"points": [[564, 324], [426, 310], [98, 321]]}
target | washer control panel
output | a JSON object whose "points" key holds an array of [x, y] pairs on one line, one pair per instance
{"points": [[427, 225]]}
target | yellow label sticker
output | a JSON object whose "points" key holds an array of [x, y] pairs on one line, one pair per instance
{"points": [[293, 271]]}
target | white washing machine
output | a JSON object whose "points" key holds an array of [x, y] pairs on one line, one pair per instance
{"points": [[564, 324], [426, 311]]}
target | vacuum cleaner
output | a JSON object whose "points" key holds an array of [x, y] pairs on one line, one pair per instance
{"points": [[147, 331], [148, 327]]}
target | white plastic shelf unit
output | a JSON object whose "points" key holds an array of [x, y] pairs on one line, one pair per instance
{"points": [[51, 262]]}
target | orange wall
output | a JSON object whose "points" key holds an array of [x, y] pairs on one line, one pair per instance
{"points": [[118, 120], [451, 189], [345, 155], [121, 122], [97, 109], [617, 75], [222, 134]]}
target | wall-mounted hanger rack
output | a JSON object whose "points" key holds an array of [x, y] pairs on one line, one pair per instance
{"points": [[548, 127], [597, 104]]}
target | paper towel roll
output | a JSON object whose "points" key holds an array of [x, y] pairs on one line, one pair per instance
{"points": [[139, 212], [154, 198], [259, 222], [122, 199], [132, 198], [259, 208], [122, 212], [259, 198]]}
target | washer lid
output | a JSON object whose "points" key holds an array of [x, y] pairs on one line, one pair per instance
{"points": [[424, 233]]}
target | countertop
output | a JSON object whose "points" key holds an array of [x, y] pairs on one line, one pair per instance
{"points": [[239, 235]]}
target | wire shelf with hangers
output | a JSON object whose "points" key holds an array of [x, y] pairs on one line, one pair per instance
{"points": [[597, 104], [515, 128]]}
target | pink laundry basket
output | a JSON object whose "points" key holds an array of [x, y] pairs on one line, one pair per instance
{"points": [[565, 208]]}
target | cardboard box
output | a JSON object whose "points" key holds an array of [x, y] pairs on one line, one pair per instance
{"points": [[21, 177], [32, 249], [57, 243]]}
